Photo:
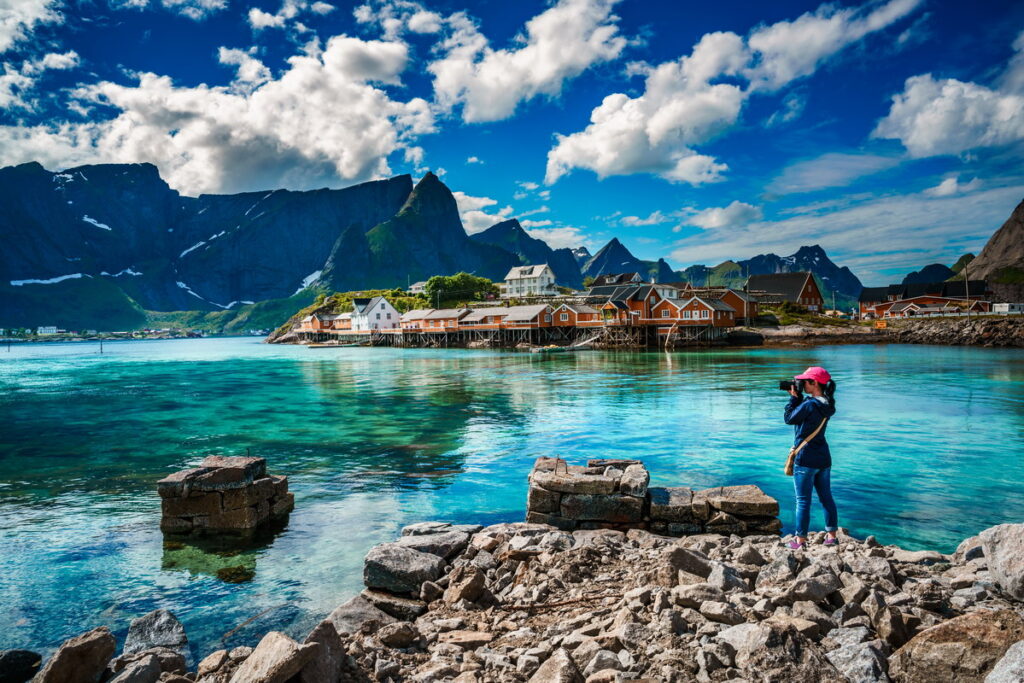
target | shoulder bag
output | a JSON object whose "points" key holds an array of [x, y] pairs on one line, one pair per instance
{"points": [[795, 450]]}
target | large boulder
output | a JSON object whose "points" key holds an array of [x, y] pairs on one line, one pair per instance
{"points": [[861, 662], [145, 669], [358, 614], [1004, 549], [772, 652], [399, 569], [325, 666], [443, 544], [159, 628], [275, 660], [82, 659], [965, 648]]}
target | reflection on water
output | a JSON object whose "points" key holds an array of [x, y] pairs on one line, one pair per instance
{"points": [[926, 443]]}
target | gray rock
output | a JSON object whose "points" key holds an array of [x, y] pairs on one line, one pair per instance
{"points": [[1009, 669], [671, 504], [604, 659], [721, 612], [159, 628], [326, 665], [558, 668], [815, 584], [745, 639], [696, 594], [274, 660], [422, 528], [844, 637], [861, 662], [400, 569], [726, 578], [143, 670], [169, 660], [1004, 549], [688, 560], [446, 544], [748, 554], [634, 481], [358, 614], [405, 609], [17, 666], [969, 549], [779, 571], [81, 659], [401, 635], [926, 557], [617, 509]]}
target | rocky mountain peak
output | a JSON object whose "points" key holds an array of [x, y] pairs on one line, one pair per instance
{"points": [[1003, 255]]}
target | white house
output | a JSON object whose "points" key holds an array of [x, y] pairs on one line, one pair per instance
{"points": [[529, 281], [374, 314], [418, 287], [46, 329], [1008, 308]]}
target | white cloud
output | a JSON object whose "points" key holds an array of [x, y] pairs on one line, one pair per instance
{"points": [[473, 160], [935, 117], [792, 107], [290, 9], [736, 214], [474, 217], [788, 50], [396, 17], [195, 9], [18, 83], [19, 17], [562, 237], [904, 230], [527, 223], [559, 44], [322, 122], [533, 212], [951, 186], [829, 170], [654, 218], [683, 106], [249, 73]]}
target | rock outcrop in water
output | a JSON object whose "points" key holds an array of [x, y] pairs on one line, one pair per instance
{"points": [[223, 494]]}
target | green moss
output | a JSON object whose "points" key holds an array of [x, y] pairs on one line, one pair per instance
{"points": [[239, 574], [1009, 276]]}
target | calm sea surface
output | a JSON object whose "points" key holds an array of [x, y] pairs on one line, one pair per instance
{"points": [[928, 446]]}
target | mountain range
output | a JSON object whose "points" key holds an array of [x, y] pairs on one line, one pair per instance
{"points": [[114, 247]]}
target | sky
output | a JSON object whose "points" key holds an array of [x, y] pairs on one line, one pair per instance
{"points": [[891, 132]]}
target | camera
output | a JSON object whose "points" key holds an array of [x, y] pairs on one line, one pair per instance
{"points": [[787, 384]]}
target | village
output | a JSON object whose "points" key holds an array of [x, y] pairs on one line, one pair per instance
{"points": [[619, 310]]}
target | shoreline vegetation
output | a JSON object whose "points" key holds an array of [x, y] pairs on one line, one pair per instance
{"points": [[528, 601]]}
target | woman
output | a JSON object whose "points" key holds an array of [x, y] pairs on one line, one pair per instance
{"points": [[813, 466]]}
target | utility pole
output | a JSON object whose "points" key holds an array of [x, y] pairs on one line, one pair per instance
{"points": [[967, 290]]}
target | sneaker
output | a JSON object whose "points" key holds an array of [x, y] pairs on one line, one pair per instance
{"points": [[795, 545], [831, 540]]}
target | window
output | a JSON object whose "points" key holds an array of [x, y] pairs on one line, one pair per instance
{"points": [[704, 313], [664, 313], [389, 316], [564, 317], [547, 317], [381, 306], [378, 316], [686, 315]]}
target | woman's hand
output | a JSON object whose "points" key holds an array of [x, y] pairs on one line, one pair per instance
{"points": [[794, 393]]}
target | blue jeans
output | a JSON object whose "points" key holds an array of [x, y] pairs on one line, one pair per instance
{"points": [[805, 479]]}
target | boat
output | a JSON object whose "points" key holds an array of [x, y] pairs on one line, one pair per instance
{"points": [[329, 345]]}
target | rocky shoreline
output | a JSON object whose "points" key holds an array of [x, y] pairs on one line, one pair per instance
{"points": [[979, 331], [534, 602]]}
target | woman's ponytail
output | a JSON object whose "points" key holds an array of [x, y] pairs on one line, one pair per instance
{"points": [[830, 389]]}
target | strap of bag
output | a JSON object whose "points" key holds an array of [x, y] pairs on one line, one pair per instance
{"points": [[796, 451]]}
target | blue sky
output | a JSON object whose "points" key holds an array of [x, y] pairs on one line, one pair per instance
{"points": [[890, 132]]}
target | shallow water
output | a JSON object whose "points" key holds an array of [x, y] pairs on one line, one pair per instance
{"points": [[927, 446]]}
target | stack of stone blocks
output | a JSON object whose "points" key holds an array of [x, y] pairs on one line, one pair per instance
{"points": [[223, 494], [615, 494]]}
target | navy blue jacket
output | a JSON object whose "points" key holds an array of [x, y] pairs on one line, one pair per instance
{"points": [[805, 414]]}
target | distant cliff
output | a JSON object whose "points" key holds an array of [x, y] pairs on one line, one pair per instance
{"points": [[99, 246]]}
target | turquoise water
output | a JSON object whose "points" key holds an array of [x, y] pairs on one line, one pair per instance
{"points": [[927, 446]]}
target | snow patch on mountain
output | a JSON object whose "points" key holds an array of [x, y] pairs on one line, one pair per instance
{"points": [[52, 280], [95, 222], [308, 280], [126, 271]]}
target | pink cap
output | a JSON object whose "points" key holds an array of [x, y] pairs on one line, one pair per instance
{"points": [[819, 375]]}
